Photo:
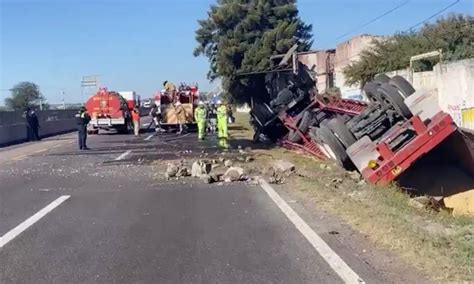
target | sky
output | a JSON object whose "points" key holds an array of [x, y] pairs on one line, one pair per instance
{"points": [[137, 44]]}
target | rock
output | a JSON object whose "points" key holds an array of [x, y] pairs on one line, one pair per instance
{"points": [[216, 177], [276, 180], [233, 174], [283, 166], [354, 175], [240, 159], [241, 151], [228, 163], [249, 159], [239, 147], [336, 180], [270, 171], [206, 178], [221, 160], [182, 172], [200, 168], [171, 170], [248, 149], [324, 167]]}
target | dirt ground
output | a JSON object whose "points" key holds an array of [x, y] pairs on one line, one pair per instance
{"points": [[425, 237]]}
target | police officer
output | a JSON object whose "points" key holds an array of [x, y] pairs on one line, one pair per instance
{"points": [[200, 116], [33, 124], [222, 124], [82, 119]]}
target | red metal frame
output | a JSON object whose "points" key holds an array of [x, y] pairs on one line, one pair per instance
{"points": [[392, 164], [342, 106]]}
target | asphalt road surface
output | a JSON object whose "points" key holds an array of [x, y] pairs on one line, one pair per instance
{"points": [[107, 216]]}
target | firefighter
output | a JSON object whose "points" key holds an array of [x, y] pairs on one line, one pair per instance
{"points": [[180, 116], [200, 116], [82, 119], [136, 121], [170, 90], [222, 124], [155, 113]]}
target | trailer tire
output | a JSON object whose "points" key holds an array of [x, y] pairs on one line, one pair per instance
{"points": [[262, 113], [390, 96], [370, 90], [402, 85], [303, 124], [381, 78], [284, 97], [342, 132], [332, 147]]}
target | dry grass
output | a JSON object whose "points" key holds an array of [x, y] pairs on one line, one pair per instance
{"points": [[436, 243]]}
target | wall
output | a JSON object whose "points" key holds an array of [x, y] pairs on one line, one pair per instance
{"points": [[453, 84], [321, 62], [347, 52], [13, 127]]}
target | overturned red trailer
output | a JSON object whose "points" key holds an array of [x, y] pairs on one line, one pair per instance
{"points": [[380, 139]]}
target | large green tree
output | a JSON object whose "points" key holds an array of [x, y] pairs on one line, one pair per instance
{"points": [[241, 35], [23, 95], [454, 35]]}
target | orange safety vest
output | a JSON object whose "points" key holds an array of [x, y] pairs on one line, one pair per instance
{"points": [[135, 116]]}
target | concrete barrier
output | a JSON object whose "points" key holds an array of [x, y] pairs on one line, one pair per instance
{"points": [[18, 133]]}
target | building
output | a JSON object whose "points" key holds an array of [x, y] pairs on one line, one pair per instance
{"points": [[347, 52], [321, 63]]}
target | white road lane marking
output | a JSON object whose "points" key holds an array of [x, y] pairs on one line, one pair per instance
{"points": [[149, 137], [123, 155], [30, 221], [333, 259]]}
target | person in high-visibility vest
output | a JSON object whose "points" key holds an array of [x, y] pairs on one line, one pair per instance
{"points": [[222, 124], [200, 116]]}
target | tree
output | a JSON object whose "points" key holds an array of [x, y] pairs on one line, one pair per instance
{"points": [[453, 35], [24, 94], [241, 35]]}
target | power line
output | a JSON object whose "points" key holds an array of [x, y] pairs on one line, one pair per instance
{"points": [[375, 19], [434, 15]]}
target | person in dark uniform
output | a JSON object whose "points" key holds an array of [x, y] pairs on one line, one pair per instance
{"points": [[82, 119], [32, 124]]}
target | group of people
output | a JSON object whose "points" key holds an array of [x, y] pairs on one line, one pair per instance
{"points": [[203, 117]]}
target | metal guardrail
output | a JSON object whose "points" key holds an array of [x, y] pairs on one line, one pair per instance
{"points": [[16, 117]]}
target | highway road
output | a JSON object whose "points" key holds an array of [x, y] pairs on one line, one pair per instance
{"points": [[108, 216]]}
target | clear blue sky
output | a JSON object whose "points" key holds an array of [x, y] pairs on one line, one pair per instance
{"points": [[137, 44]]}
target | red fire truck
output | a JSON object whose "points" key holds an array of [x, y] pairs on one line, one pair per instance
{"points": [[111, 110]]}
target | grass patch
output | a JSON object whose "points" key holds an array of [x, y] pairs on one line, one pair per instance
{"points": [[437, 243]]}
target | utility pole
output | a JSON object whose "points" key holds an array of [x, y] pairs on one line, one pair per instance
{"points": [[64, 103]]}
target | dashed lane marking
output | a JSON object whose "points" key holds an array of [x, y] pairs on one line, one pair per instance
{"points": [[32, 220], [18, 158], [149, 137], [40, 151], [333, 259], [123, 155]]}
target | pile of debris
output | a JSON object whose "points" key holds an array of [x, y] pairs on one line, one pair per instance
{"points": [[221, 170]]}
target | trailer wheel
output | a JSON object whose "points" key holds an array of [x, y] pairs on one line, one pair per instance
{"points": [[262, 113], [332, 147], [391, 97], [402, 85], [342, 132], [303, 124], [382, 78], [284, 97], [370, 90]]}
